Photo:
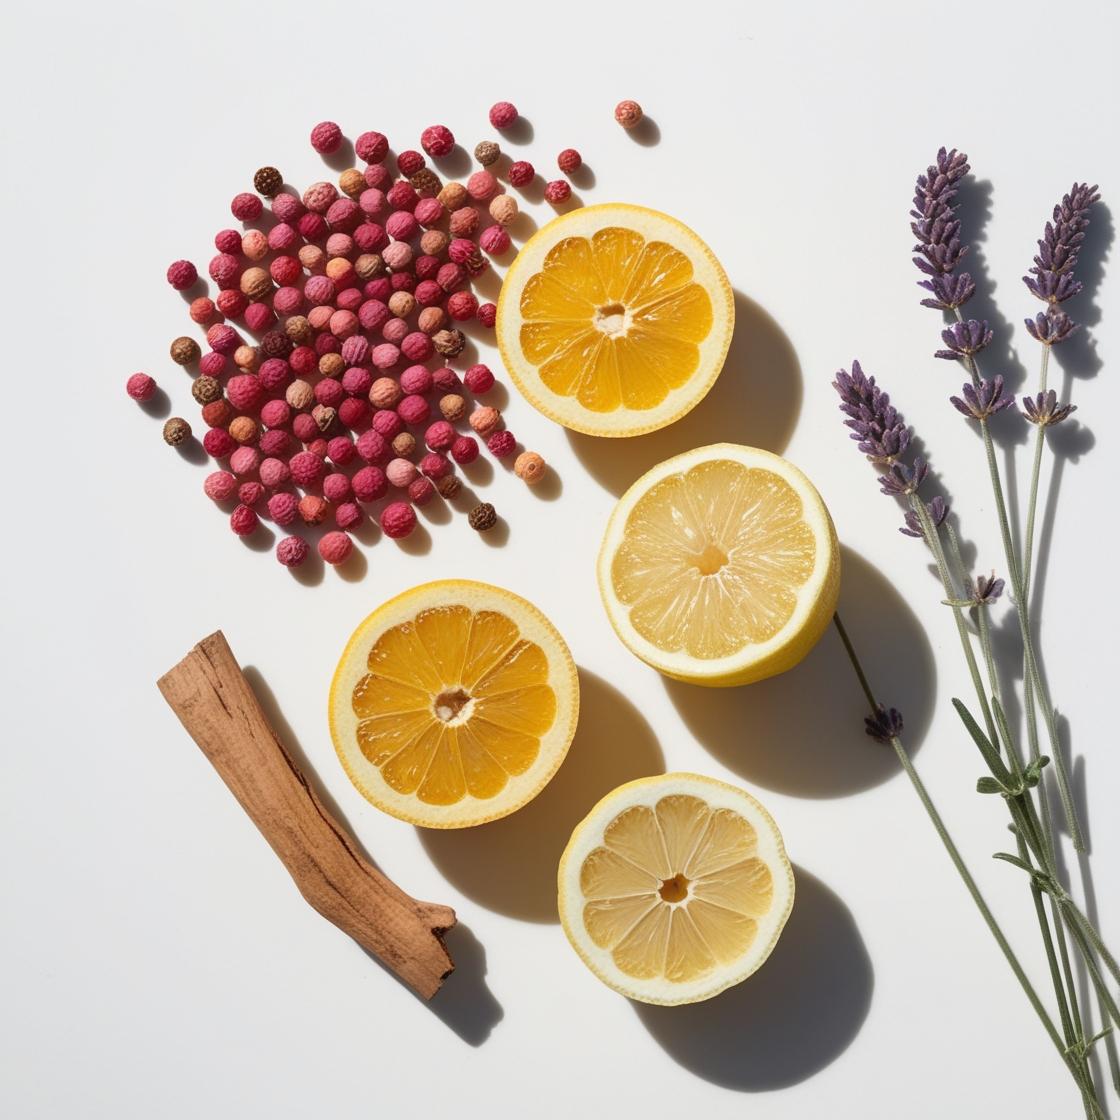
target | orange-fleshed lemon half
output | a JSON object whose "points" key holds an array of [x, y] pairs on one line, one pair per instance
{"points": [[720, 566], [673, 888], [453, 704], [615, 320]]}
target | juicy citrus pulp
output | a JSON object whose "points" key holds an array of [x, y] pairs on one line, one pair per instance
{"points": [[614, 319], [453, 704], [720, 565], [674, 888]]}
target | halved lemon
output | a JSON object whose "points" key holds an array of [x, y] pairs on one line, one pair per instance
{"points": [[674, 888], [720, 566], [615, 320], [453, 704]]}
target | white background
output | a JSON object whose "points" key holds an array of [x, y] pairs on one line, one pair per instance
{"points": [[156, 958]]}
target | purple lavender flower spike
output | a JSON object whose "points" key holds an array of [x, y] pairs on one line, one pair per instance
{"points": [[884, 725], [1051, 327], [983, 400], [901, 480], [985, 590], [1051, 278], [964, 339], [938, 510], [1044, 409], [876, 425], [937, 229]]}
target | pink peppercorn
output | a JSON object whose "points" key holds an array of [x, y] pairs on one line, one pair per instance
{"points": [[292, 551], [413, 409], [487, 314], [220, 486], [222, 338], [307, 468], [335, 547], [409, 162], [439, 436], [244, 460], [318, 319], [312, 509], [416, 379], [384, 392], [243, 521], [369, 484], [437, 140], [287, 301], [461, 306], [425, 267], [373, 447], [282, 237], [628, 114], [521, 173], [401, 226], [329, 392], [181, 275], [355, 350], [227, 241], [274, 374], [303, 360], [217, 414], [385, 355], [398, 519], [428, 293], [395, 331], [482, 186], [340, 450], [377, 176], [397, 255], [559, 190], [400, 472], [343, 324], [258, 316], [348, 515], [479, 379], [416, 346], [445, 379], [275, 414], [202, 310], [231, 302], [569, 160], [218, 443], [484, 420], [494, 240], [212, 364], [283, 508], [326, 137], [378, 289], [275, 443], [421, 491], [224, 269], [244, 392], [371, 201], [343, 214], [274, 472], [502, 114], [339, 245], [373, 314], [312, 257], [254, 245], [249, 493], [140, 387], [357, 381], [246, 207], [428, 212], [354, 413], [435, 466], [464, 450], [501, 444], [285, 270], [402, 196], [336, 487], [387, 423], [313, 227], [464, 222], [286, 207], [372, 147], [461, 250], [304, 427], [349, 300]]}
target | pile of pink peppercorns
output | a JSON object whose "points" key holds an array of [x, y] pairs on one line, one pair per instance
{"points": [[354, 294]]}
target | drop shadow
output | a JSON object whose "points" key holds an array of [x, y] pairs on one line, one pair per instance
{"points": [[455, 164], [549, 488], [261, 539], [510, 865], [583, 177], [767, 732], [756, 400], [792, 1018], [158, 405], [498, 536], [343, 158], [646, 132], [520, 132], [192, 451]]}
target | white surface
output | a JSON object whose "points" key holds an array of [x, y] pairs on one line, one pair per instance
{"points": [[157, 960]]}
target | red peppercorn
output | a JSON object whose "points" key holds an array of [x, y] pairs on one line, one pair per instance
{"points": [[249, 493], [446, 380], [306, 467], [218, 443], [348, 515], [246, 207], [243, 520], [462, 306], [421, 491], [335, 547], [439, 436], [521, 173], [231, 302], [369, 484], [409, 162], [292, 551], [141, 387], [464, 450], [569, 160], [387, 423], [479, 379], [227, 241], [304, 427], [487, 314], [502, 114], [275, 443], [373, 447], [354, 413], [398, 519], [326, 137], [416, 380], [437, 140], [372, 147], [559, 190], [181, 275], [501, 444], [312, 509], [435, 466], [413, 409]]}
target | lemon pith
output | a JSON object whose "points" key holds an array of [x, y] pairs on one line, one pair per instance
{"points": [[720, 566], [614, 319], [675, 887], [453, 704]]}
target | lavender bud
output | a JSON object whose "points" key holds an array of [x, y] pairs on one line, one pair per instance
{"points": [[1050, 327], [986, 590], [1044, 409], [1051, 278], [982, 401], [964, 339], [884, 725], [902, 480], [937, 510]]}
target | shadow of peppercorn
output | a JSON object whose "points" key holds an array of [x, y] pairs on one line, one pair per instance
{"points": [[798, 1013], [480, 472], [646, 132], [583, 177], [455, 165], [417, 543], [158, 405], [342, 159], [520, 132], [767, 733], [510, 865], [549, 488], [755, 400], [497, 536]]}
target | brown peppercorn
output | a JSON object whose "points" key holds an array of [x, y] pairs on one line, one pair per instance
{"points": [[176, 431], [298, 329], [431, 319], [332, 365], [404, 444], [268, 181], [245, 357], [324, 416], [425, 183], [453, 196], [352, 182], [483, 517], [368, 266], [206, 389], [487, 152], [529, 467], [449, 486], [402, 304], [449, 343], [256, 283], [276, 344], [453, 407], [433, 242], [244, 429], [185, 350]]}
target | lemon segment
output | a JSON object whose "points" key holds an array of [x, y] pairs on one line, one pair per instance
{"points": [[674, 888], [453, 704], [720, 566], [615, 320]]}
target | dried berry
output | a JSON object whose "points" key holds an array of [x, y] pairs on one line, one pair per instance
{"points": [[485, 420], [206, 389], [244, 429], [559, 190], [220, 486], [268, 181], [181, 275], [243, 520], [372, 147], [398, 519], [521, 173], [569, 160], [140, 387], [421, 491], [449, 343], [326, 137], [628, 114], [292, 551], [176, 431], [487, 314], [449, 487], [437, 140], [185, 351], [503, 114], [453, 407], [487, 152], [352, 183], [335, 547], [483, 517], [529, 467], [501, 444], [409, 162]]}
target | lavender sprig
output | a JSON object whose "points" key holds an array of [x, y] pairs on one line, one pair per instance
{"points": [[937, 229], [1051, 278]]}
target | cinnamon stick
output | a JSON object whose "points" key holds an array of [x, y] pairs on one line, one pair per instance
{"points": [[209, 693]]}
